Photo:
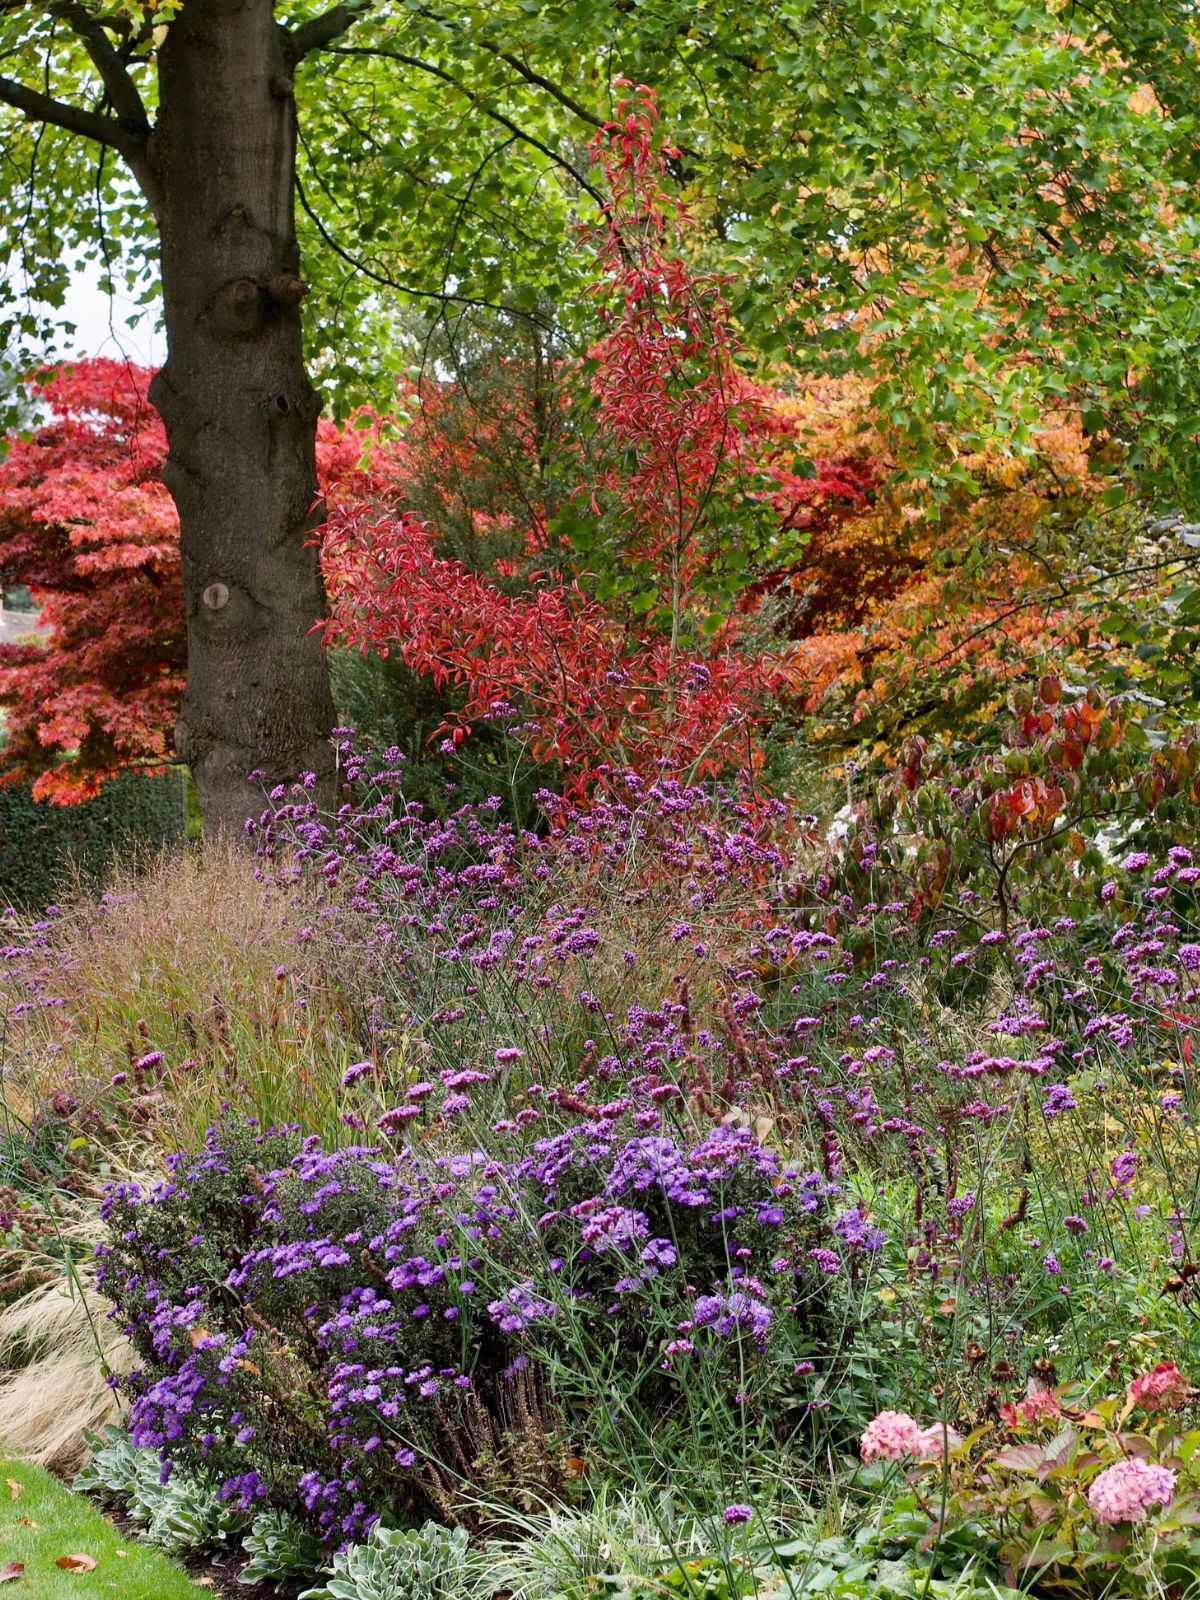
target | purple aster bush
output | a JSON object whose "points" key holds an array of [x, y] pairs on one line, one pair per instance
{"points": [[346, 1333]]}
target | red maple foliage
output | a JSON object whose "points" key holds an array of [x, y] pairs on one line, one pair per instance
{"points": [[844, 564], [87, 524], [591, 691], [675, 413], [557, 664], [482, 454]]}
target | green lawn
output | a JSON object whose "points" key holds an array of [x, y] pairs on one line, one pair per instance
{"points": [[46, 1521]]}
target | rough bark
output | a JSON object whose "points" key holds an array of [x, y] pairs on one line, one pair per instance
{"points": [[238, 407]]}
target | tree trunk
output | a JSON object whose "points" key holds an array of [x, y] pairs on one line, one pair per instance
{"points": [[239, 410]]}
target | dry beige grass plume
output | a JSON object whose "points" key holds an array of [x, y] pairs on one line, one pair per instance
{"points": [[56, 1343]]}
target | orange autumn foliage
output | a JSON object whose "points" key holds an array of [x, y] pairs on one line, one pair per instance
{"points": [[901, 601]]}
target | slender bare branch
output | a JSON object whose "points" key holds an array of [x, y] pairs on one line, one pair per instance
{"points": [[519, 66], [475, 100], [368, 271]]}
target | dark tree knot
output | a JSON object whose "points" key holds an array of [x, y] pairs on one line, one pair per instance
{"points": [[286, 289]]}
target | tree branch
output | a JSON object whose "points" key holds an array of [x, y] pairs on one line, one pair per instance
{"points": [[366, 270], [127, 132], [72, 119], [518, 66], [552, 89], [120, 88], [476, 100], [322, 30]]}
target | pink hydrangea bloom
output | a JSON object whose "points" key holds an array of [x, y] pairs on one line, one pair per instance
{"points": [[934, 1441], [1164, 1385], [1125, 1491], [890, 1436], [1040, 1406]]}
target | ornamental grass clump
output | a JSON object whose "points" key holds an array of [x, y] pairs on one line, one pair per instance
{"points": [[186, 985], [347, 1334]]}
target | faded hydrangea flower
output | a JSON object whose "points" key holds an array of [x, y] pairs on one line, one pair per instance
{"points": [[1125, 1491]]}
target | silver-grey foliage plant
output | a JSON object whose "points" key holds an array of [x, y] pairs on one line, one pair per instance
{"points": [[427, 1563]]}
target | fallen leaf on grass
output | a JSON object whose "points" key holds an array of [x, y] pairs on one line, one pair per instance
{"points": [[80, 1562], [14, 1488], [26, 1522], [11, 1571]]}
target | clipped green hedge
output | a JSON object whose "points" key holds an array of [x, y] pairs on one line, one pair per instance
{"points": [[43, 848]]}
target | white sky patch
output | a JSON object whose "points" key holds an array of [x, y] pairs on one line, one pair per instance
{"points": [[102, 324]]}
